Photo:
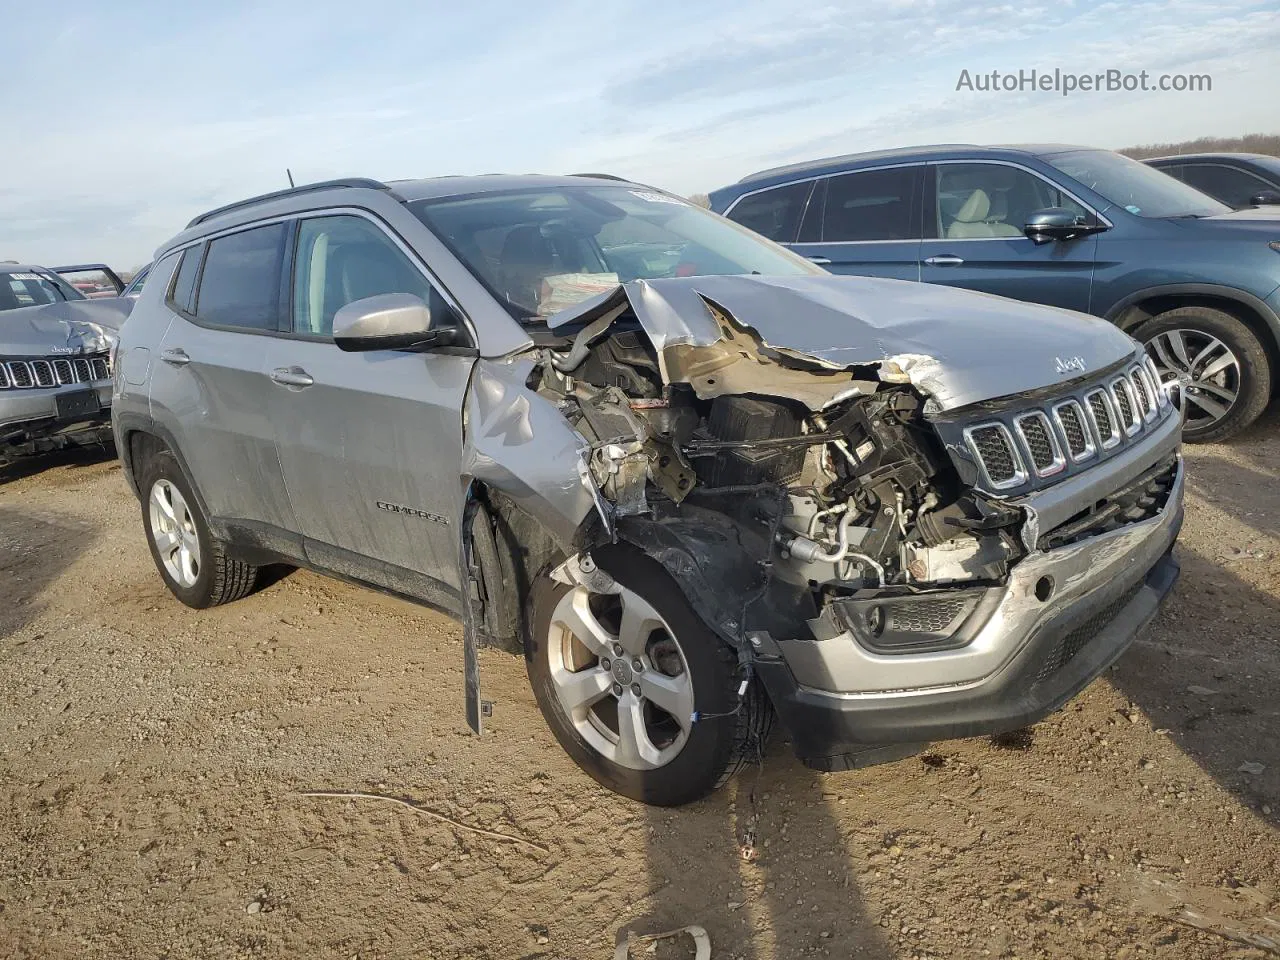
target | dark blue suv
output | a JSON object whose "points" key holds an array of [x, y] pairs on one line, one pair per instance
{"points": [[1073, 227]]}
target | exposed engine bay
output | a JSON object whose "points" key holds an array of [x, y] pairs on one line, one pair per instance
{"points": [[846, 485]]}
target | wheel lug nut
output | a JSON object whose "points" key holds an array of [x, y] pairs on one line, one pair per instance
{"points": [[617, 649], [604, 663], [617, 689], [637, 665], [635, 688]]}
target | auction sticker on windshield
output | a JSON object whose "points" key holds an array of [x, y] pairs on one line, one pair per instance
{"points": [[656, 197]]}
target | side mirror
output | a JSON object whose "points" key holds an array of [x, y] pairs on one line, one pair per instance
{"points": [[1263, 197], [1055, 223], [390, 321]]}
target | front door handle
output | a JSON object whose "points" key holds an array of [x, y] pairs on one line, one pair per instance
{"points": [[176, 356], [292, 377], [946, 260], [820, 261]]}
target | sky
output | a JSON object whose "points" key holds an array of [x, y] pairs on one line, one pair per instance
{"points": [[128, 119]]}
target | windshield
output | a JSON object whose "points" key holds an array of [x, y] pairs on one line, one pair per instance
{"points": [[540, 251], [31, 289], [1140, 189]]}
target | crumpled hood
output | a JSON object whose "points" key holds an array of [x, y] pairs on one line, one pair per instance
{"points": [[956, 346], [69, 328]]}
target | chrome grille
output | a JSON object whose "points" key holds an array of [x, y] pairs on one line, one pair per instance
{"points": [[1140, 392], [1070, 417], [1153, 377], [993, 446], [53, 372], [1130, 421], [1037, 434], [1104, 422], [1009, 447]]}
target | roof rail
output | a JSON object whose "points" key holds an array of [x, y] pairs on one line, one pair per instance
{"points": [[601, 176], [362, 182]]}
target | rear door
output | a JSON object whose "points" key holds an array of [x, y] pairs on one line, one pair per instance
{"points": [[370, 443], [974, 216], [208, 385], [865, 223]]}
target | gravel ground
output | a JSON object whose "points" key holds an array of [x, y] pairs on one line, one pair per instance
{"points": [[154, 763]]}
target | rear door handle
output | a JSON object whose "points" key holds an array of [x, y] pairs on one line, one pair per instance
{"points": [[292, 377], [946, 260], [820, 261]]}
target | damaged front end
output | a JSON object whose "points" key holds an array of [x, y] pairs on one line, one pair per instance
{"points": [[822, 512], [785, 492]]}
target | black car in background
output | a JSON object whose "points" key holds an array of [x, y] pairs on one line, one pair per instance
{"points": [[1236, 179]]}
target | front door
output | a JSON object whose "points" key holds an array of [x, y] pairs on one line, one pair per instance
{"points": [[974, 216], [370, 443]]}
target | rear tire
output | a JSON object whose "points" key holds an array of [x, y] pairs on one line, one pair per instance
{"points": [[1188, 342], [193, 564], [684, 664]]}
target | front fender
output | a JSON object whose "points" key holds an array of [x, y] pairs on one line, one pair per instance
{"points": [[718, 563], [518, 442]]}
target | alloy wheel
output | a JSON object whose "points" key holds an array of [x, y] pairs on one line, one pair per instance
{"points": [[1205, 370], [174, 531], [620, 676]]}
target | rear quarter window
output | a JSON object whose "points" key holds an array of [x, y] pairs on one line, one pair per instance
{"points": [[773, 213], [184, 284]]}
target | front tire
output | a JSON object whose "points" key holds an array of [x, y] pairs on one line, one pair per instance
{"points": [[637, 689], [194, 565], [1220, 366]]}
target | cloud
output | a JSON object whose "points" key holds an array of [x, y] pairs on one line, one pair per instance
{"points": [[116, 145]]}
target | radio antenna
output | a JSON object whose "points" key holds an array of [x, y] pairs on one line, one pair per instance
{"points": [[289, 173]]}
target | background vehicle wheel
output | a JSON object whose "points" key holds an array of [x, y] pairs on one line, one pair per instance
{"points": [[193, 564], [1219, 365], [619, 675]]}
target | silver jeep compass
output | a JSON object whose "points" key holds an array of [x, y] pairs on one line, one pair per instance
{"points": [[694, 479]]}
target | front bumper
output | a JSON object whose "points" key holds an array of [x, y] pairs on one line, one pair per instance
{"points": [[839, 702], [29, 420]]}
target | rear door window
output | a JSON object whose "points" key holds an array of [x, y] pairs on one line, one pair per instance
{"points": [[240, 283], [774, 213], [873, 205]]}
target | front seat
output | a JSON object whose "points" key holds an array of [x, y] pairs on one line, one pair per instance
{"points": [[526, 258], [970, 221], [998, 217]]}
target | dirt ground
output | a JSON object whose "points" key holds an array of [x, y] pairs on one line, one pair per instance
{"points": [[154, 763]]}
